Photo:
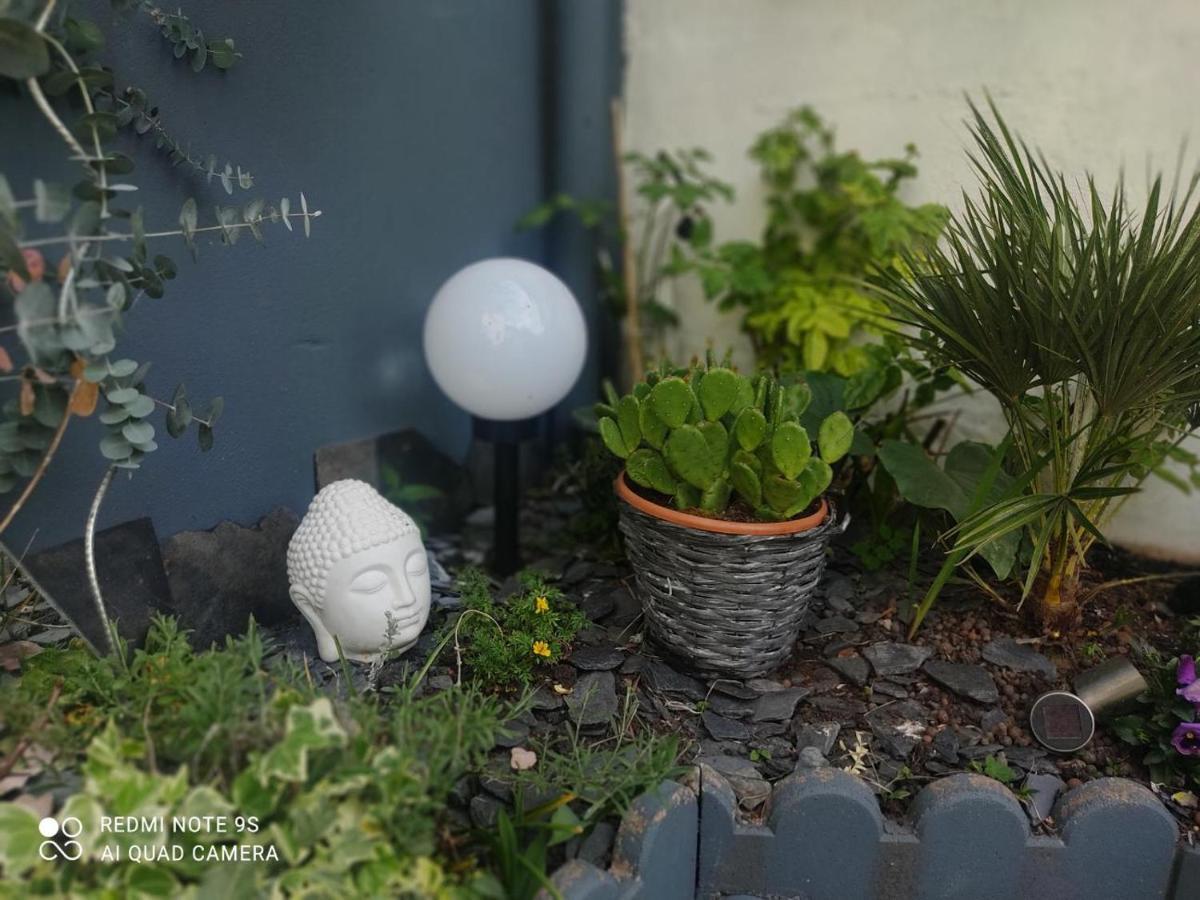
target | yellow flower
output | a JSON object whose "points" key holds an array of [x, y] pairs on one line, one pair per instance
{"points": [[541, 605], [541, 648]]}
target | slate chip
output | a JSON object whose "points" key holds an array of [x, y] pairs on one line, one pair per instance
{"points": [[724, 729], [1006, 652], [666, 680], [890, 658], [778, 706], [750, 788], [594, 699], [965, 679], [836, 625], [853, 668], [596, 659], [821, 735], [898, 727]]}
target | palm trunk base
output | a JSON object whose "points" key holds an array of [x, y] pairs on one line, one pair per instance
{"points": [[1056, 610]]}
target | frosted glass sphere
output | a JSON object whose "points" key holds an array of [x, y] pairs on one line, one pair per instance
{"points": [[505, 339]]}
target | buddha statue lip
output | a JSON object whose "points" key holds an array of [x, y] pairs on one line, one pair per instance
{"points": [[359, 573]]}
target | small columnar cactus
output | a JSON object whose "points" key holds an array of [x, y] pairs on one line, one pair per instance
{"points": [[705, 435]]}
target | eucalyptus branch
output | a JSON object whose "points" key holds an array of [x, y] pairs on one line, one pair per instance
{"points": [[207, 423], [39, 472], [122, 236], [133, 105]]}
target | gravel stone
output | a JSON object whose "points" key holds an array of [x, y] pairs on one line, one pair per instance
{"points": [[890, 658], [965, 679], [853, 668], [778, 706], [724, 729], [596, 659], [1006, 652], [822, 736], [594, 699]]}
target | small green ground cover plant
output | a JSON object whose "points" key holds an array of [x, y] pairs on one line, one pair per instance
{"points": [[503, 644], [324, 795], [707, 438]]}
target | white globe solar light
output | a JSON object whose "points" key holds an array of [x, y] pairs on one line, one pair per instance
{"points": [[505, 339]]}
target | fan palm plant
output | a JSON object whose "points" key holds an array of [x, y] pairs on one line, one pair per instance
{"points": [[1082, 317]]}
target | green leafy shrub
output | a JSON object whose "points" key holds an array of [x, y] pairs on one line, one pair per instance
{"points": [[707, 436], [670, 225], [832, 217], [322, 797], [504, 643], [1082, 317], [208, 709]]}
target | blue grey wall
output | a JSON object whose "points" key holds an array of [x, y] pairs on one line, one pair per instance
{"points": [[422, 130]]}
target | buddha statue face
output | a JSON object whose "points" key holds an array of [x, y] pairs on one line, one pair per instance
{"points": [[358, 573]]}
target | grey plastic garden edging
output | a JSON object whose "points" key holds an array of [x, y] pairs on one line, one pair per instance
{"points": [[825, 839]]}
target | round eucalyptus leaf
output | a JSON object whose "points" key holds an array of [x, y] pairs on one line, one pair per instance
{"points": [[115, 447], [123, 368], [140, 407], [138, 432], [122, 395]]}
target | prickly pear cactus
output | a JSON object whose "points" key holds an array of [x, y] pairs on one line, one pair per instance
{"points": [[707, 435]]}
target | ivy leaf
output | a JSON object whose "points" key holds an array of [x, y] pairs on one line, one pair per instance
{"points": [[23, 52]]}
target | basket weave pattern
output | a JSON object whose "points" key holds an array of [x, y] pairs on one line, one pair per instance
{"points": [[728, 604]]}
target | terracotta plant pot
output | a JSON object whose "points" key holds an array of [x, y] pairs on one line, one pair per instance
{"points": [[727, 598]]}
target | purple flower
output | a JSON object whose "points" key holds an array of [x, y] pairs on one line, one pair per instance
{"points": [[1185, 674], [1186, 739]]}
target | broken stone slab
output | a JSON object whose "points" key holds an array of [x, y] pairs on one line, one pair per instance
{"points": [[725, 729], [898, 727], [821, 735], [133, 582], [965, 679], [835, 625], [890, 658], [593, 701], [666, 680], [749, 787], [853, 668], [1008, 653], [596, 659], [222, 577], [778, 706]]}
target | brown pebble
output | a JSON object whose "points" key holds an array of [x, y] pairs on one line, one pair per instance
{"points": [[1074, 782]]}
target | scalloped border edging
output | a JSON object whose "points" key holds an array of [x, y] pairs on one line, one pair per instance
{"points": [[825, 838]]}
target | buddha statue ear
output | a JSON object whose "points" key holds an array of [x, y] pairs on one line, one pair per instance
{"points": [[326, 646]]}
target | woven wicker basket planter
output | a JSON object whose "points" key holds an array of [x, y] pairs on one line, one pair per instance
{"points": [[727, 598]]}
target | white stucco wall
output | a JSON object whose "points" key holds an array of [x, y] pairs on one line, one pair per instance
{"points": [[1097, 84]]}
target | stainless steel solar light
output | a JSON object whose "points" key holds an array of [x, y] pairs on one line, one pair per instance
{"points": [[1065, 722]]}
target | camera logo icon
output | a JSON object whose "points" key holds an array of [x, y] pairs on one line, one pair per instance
{"points": [[60, 840]]}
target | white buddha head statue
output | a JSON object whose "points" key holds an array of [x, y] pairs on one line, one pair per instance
{"points": [[358, 573]]}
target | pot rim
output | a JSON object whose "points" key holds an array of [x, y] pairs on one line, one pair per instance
{"points": [[717, 526]]}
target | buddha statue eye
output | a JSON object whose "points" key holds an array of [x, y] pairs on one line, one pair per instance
{"points": [[416, 564], [368, 582]]}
